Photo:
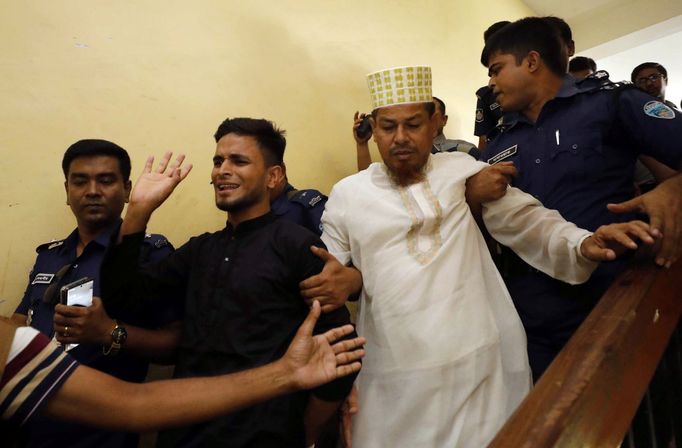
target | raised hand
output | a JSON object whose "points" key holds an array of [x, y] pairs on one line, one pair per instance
{"points": [[612, 240], [154, 186], [150, 191], [357, 119], [314, 361]]}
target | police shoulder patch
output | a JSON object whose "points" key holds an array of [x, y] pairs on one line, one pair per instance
{"points": [[658, 109], [479, 115], [155, 240], [308, 198]]}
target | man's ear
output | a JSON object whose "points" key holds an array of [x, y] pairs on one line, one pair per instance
{"points": [[274, 175], [433, 123], [445, 120], [533, 61], [127, 187], [66, 190]]}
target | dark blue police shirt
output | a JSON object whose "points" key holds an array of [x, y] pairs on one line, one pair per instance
{"points": [[578, 157], [580, 154], [51, 258], [304, 207]]}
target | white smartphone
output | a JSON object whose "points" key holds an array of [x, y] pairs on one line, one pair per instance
{"points": [[78, 293]]}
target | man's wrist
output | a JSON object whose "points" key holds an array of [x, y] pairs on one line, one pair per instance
{"points": [[105, 335], [135, 220], [119, 336], [283, 375]]}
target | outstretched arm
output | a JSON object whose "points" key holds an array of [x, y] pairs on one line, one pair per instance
{"points": [[92, 397], [152, 188], [92, 325], [663, 205], [549, 243]]}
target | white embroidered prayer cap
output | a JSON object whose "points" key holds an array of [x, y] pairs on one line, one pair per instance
{"points": [[400, 85]]}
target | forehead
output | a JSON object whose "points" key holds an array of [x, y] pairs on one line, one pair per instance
{"points": [[402, 112], [234, 144], [500, 58], [647, 72], [94, 165]]}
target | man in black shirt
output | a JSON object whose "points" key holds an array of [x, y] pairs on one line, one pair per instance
{"points": [[240, 287]]}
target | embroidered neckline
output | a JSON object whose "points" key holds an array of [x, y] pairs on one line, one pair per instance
{"points": [[423, 257]]}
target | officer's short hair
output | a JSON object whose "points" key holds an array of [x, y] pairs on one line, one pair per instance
{"points": [[640, 67], [494, 28], [526, 35], [442, 104], [580, 63], [271, 140], [96, 147], [564, 29]]}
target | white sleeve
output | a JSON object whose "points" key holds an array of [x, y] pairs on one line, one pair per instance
{"points": [[335, 232], [540, 236]]}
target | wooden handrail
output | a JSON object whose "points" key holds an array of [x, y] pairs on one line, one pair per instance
{"points": [[589, 394]]}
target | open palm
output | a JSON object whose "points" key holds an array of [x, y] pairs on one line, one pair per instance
{"points": [[153, 187]]}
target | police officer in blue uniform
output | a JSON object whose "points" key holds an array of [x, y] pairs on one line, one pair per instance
{"points": [[97, 185], [304, 207], [574, 145]]}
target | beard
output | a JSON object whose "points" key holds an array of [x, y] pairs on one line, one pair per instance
{"points": [[241, 203], [406, 173]]}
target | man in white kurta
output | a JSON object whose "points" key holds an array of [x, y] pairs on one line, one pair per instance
{"points": [[446, 359]]}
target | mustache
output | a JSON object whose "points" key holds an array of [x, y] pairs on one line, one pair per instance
{"points": [[402, 148]]}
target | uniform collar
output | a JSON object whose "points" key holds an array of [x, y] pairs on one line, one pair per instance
{"points": [[568, 89], [102, 239], [250, 225]]}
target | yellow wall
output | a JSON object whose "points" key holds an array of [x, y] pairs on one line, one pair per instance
{"points": [[155, 76]]}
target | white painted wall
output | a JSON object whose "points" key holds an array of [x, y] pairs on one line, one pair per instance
{"points": [[660, 43]]}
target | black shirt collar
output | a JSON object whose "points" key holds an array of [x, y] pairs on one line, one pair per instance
{"points": [[250, 225]]}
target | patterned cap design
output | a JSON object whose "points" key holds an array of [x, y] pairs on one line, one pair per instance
{"points": [[400, 85]]}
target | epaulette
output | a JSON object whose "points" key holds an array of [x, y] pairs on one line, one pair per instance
{"points": [[156, 240], [51, 245], [307, 198], [599, 81]]}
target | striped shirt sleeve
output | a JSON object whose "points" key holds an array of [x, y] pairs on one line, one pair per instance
{"points": [[35, 369]]}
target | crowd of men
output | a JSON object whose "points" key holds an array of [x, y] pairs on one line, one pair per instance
{"points": [[253, 316]]}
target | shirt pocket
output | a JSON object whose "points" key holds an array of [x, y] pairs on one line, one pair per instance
{"points": [[579, 153]]}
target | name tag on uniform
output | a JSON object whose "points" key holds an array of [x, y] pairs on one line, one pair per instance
{"points": [[42, 279], [500, 156]]}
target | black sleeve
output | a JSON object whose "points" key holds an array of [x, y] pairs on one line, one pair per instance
{"points": [[126, 287], [308, 265]]}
